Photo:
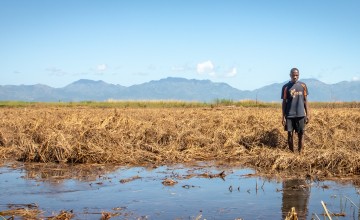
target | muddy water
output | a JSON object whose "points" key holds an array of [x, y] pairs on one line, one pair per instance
{"points": [[198, 192]]}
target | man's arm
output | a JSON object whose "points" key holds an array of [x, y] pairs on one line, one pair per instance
{"points": [[283, 106], [307, 110]]}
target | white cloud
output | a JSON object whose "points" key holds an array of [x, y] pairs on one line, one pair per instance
{"points": [[232, 72], [355, 78], [206, 67], [101, 67]]}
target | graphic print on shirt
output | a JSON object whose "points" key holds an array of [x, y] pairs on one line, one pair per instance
{"points": [[293, 93]]}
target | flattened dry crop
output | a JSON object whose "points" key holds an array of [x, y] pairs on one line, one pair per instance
{"points": [[251, 136]]}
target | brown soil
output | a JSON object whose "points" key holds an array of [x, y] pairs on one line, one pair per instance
{"points": [[252, 137]]}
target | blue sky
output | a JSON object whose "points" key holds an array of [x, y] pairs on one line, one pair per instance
{"points": [[245, 43]]}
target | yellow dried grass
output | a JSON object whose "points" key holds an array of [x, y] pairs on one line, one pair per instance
{"points": [[25, 213], [251, 136]]}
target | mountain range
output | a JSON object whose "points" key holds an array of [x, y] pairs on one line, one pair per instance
{"points": [[174, 89]]}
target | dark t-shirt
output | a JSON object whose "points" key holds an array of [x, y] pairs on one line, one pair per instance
{"points": [[294, 94]]}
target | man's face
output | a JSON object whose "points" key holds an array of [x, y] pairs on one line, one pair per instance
{"points": [[294, 75]]}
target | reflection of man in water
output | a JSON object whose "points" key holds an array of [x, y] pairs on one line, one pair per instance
{"points": [[296, 194]]}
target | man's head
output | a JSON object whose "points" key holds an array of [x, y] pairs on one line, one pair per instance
{"points": [[294, 75]]}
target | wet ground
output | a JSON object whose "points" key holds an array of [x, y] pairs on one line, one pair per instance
{"points": [[175, 192]]}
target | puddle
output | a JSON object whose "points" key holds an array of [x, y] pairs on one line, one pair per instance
{"points": [[197, 192]]}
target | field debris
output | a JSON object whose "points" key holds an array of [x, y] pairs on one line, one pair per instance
{"points": [[27, 211], [221, 175], [130, 179], [33, 212], [169, 182], [22, 212], [251, 137], [105, 216], [63, 215], [108, 215], [187, 186], [326, 210], [340, 214], [292, 215], [209, 175]]}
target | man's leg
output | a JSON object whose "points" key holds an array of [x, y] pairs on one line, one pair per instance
{"points": [[301, 142], [301, 130], [291, 140]]}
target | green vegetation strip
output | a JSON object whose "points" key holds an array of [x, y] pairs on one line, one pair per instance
{"points": [[170, 104]]}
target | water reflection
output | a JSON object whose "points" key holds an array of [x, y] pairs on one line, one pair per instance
{"points": [[296, 193], [61, 172]]}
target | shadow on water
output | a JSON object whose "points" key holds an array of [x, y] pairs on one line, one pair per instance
{"points": [[201, 191]]}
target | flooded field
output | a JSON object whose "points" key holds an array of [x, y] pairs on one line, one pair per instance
{"points": [[201, 191], [207, 149]]}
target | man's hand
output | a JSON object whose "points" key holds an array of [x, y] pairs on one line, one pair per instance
{"points": [[307, 119], [283, 120]]}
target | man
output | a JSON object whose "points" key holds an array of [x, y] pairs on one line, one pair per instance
{"points": [[295, 110]]}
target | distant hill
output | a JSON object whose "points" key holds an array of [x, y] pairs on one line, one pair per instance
{"points": [[318, 91], [184, 89], [85, 89], [174, 89]]}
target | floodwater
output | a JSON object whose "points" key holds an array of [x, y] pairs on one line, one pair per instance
{"points": [[195, 192]]}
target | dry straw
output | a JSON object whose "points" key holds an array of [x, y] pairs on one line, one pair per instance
{"points": [[251, 136]]}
